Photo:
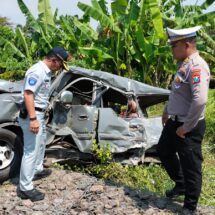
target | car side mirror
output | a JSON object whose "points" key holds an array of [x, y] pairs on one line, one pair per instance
{"points": [[66, 97]]}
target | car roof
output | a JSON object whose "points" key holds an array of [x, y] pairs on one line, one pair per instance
{"points": [[122, 83], [148, 95]]}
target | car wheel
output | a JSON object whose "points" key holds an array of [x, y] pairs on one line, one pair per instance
{"points": [[10, 154]]}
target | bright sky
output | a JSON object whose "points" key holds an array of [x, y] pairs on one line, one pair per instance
{"points": [[10, 8]]}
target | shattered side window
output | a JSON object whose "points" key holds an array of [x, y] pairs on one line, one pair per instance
{"points": [[115, 100], [82, 92]]}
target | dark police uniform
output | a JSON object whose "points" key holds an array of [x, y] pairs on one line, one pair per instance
{"points": [[182, 157]]}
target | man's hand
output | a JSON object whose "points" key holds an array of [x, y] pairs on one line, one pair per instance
{"points": [[34, 126], [164, 118], [180, 132]]}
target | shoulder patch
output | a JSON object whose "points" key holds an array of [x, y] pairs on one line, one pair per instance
{"points": [[196, 73], [32, 81], [196, 77]]}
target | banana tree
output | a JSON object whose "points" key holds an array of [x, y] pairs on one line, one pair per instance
{"points": [[131, 34]]}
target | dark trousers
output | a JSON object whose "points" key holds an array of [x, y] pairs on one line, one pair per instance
{"points": [[182, 159]]}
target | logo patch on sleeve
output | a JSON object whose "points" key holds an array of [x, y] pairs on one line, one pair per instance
{"points": [[32, 81], [196, 78], [196, 72]]}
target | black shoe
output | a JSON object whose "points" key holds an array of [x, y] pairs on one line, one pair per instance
{"points": [[175, 192], [188, 211], [43, 174], [34, 195]]}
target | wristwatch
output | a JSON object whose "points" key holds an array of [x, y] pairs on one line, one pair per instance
{"points": [[33, 118]]}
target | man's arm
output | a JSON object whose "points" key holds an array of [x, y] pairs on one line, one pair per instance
{"points": [[29, 103]]}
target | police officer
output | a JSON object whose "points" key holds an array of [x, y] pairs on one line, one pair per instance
{"points": [[35, 99], [179, 147]]}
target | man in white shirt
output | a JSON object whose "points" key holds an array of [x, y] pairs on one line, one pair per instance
{"points": [[31, 119]]}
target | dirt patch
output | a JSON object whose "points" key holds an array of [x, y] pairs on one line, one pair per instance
{"points": [[80, 194]]}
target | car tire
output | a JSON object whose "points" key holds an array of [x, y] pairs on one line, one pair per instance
{"points": [[10, 154]]}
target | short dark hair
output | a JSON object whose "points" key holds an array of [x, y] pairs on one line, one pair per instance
{"points": [[51, 54], [191, 39]]}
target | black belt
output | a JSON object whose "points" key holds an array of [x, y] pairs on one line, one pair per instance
{"points": [[40, 109]]}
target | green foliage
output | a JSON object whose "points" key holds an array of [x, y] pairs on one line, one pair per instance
{"points": [[129, 41], [45, 14], [136, 45], [138, 177], [59, 166], [210, 119], [95, 11], [208, 196], [12, 75], [102, 151], [4, 22], [155, 110]]}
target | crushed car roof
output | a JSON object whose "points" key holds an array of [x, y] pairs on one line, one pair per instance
{"points": [[122, 83], [147, 95]]}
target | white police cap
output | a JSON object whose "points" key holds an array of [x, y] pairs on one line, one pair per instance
{"points": [[180, 34]]}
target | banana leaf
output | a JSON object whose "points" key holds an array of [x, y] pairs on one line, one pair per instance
{"points": [[97, 14], [119, 7], [68, 29], [23, 42], [156, 17], [86, 29], [45, 14], [95, 52], [30, 18], [206, 4], [9, 45]]}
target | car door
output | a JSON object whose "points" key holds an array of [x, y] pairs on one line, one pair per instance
{"points": [[120, 133], [77, 119]]}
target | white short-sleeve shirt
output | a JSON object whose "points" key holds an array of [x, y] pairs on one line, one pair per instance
{"points": [[38, 80]]}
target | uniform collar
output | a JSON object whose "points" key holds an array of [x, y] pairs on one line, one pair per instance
{"points": [[187, 60], [47, 70], [192, 56]]}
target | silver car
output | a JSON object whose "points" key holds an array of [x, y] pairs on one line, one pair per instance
{"points": [[86, 107]]}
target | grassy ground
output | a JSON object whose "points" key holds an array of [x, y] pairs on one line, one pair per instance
{"points": [[153, 177]]}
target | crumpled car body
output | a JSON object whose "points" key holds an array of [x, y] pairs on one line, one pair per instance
{"points": [[91, 116]]}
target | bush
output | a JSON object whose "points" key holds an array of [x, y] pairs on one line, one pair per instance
{"points": [[12, 75], [210, 118]]}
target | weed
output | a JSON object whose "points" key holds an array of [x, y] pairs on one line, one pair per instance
{"points": [[102, 151]]}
